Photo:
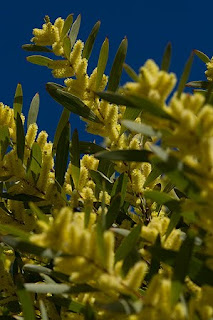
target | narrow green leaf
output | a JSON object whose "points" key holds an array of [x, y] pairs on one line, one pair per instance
{"points": [[165, 64], [126, 155], [141, 128], [113, 211], [34, 47], [69, 304], [99, 178], [14, 231], [128, 244], [129, 114], [158, 196], [181, 269], [20, 197], [89, 147], [27, 304], [208, 98], [90, 41], [62, 152], [185, 75], [102, 62], [198, 84], [74, 30], [46, 271], [71, 102], [47, 288], [174, 219], [18, 100], [120, 186], [35, 161], [41, 216], [4, 141], [33, 111], [142, 104], [27, 247], [43, 310], [152, 176], [61, 124], [75, 158], [202, 56], [67, 25], [131, 73], [117, 67], [20, 138], [67, 47], [39, 60]]}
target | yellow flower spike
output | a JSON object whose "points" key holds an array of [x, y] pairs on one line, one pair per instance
{"points": [[61, 68], [174, 240], [109, 250], [180, 312], [88, 196], [47, 165], [89, 162], [107, 197], [31, 135], [206, 120], [42, 139], [137, 181], [76, 54], [209, 71], [83, 177], [136, 275], [45, 36]]}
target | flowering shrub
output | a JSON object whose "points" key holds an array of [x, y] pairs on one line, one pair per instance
{"points": [[123, 231]]}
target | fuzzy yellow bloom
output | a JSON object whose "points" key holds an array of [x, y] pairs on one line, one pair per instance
{"points": [[209, 71]]}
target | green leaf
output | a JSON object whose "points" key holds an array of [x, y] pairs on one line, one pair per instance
{"points": [[20, 138], [39, 60], [67, 47], [4, 141], [61, 124], [62, 152], [27, 303], [198, 84], [18, 100], [33, 111], [34, 47], [67, 25], [152, 176], [202, 56], [160, 197], [14, 231], [145, 129], [120, 186], [117, 67], [35, 161], [102, 62], [47, 288], [74, 30], [90, 41], [129, 114], [27, 247], [71, 102], [181, 269], [75, 158], [20, 197], [43, 310], [185, 75], [89, 147], [131, 73], [41, 216], [165, 64], [46, 271], [126, 155], [69, 304], [174, 219], [142, 104], [99, 178], [128, 244]]}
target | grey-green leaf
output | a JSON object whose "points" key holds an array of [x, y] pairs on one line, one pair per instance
{"points": [[75, 158], [131, 73], [67, 25], [18, 100], [141, 128], [39, 60], [90, 41], [34, 47], [74, 30], [4, 140], [165, 64], [185, 75], [20, 138], [117, 67], [33, 111], [102, 62], [71, 102], [126, 155], [202, 56]]}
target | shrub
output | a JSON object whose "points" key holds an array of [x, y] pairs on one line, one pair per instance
{"points": [[120, 231]]}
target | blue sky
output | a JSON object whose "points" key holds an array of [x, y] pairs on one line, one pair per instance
{"points": [[148, 25]]}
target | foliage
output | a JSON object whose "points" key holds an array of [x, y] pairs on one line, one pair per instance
{"points": [[119, 231]]}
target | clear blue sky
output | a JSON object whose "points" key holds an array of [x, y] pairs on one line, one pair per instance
{"points": [[148, 25]]}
